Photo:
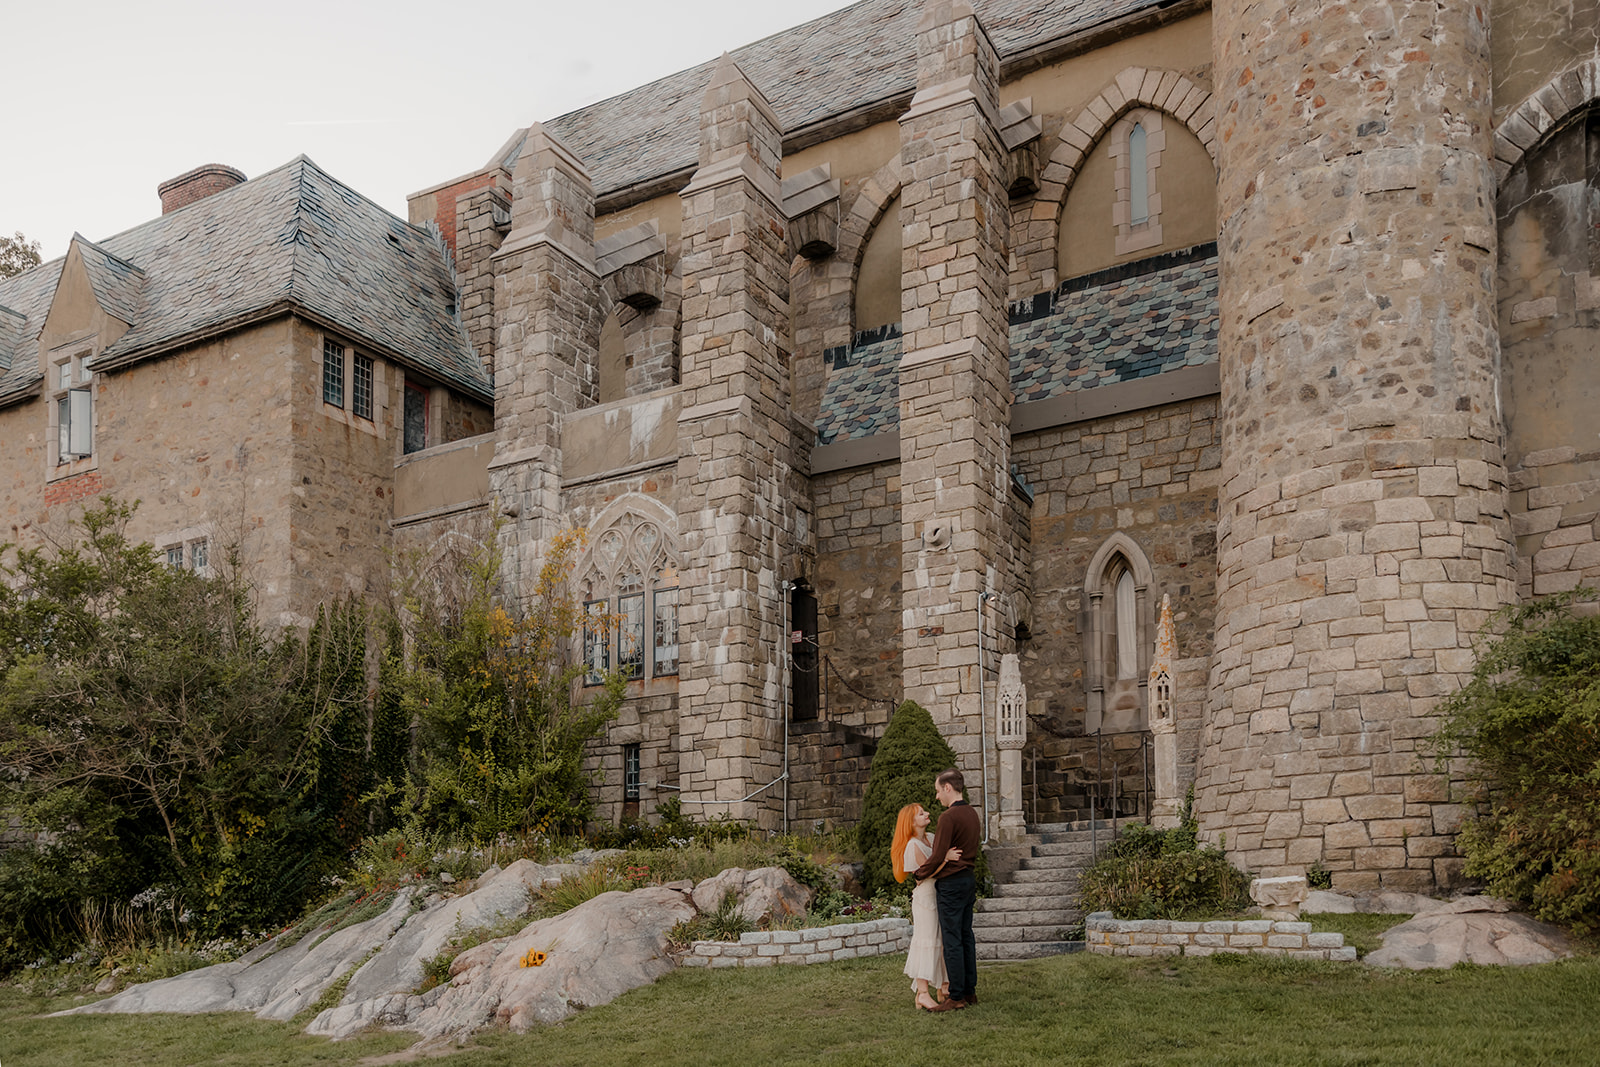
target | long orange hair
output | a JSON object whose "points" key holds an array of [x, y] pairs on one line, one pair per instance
{"points": [[905, 828]]}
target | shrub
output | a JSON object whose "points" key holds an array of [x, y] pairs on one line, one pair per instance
{"points": [[1163, 874], [587, 884], [1529, 722], [909, 757]]}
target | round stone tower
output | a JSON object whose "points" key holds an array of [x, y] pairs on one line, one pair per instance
{"points": [[1362, 533]]}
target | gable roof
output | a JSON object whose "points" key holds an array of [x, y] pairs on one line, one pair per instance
{"points": [[844, 62], [293, 239]]}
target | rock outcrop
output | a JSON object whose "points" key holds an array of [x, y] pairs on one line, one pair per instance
{"points": [[1470, 930], [764, 894]]}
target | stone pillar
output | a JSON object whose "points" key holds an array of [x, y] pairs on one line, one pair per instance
{"points": [[734, 456], [482, 222], [955, 390], [1166, 807], [1011, 733], [547, 310], [1362, 534]]}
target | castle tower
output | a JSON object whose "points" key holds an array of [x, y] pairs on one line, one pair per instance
{"points": [[1362, 535], [955, 389], [735, 448], [547, 335]]}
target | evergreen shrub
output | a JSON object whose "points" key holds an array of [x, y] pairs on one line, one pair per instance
{"points": [[910, 755], [1529, 724]]}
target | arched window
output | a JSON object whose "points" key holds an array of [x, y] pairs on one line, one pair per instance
{"points": [[1118, 637], [1138, 176], [1136, 145], [629, 585]]}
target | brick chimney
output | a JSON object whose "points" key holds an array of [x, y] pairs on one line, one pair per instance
{"points": [[197, 184]]}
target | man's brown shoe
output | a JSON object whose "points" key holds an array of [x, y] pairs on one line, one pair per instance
{"points": [[972, 998], [949, 1004]]}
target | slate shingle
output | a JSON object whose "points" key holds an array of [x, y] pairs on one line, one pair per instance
{"points": [[862, 55], [1122, 326], [294, 236]]}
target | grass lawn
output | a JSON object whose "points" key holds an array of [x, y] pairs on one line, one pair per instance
{"points": [[1077, 1009]]}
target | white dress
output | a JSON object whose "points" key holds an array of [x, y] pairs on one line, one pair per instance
{"points": [[926, 957]]}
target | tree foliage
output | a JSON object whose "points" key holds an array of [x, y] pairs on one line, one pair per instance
{"points": [[910, 755], [17, 254], [1529, 724], [490, 687], [157, 744]]}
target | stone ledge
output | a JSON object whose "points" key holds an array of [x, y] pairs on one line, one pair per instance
{"points": [[822, 944], [1108, 936]]}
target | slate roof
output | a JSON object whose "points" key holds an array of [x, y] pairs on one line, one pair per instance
{"points": [[293, 237], [1113, 326], [862, 55]]}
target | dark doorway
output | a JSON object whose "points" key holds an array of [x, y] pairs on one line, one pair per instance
{"points": [[804, 678]]}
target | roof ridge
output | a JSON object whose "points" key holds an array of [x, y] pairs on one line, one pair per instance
{"points": [[104, 251]]}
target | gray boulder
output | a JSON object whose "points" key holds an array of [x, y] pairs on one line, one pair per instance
{"points": [[397, 968], [275, 981], [1470, 930], [1326, 902], [593, 954], [764, 894]]}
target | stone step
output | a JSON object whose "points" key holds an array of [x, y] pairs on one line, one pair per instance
{"points": [[1050, 931], [1079, 850], [1026, 950], [1055, 863], [1067, 884], [1035, 917], [1044, 875], [1029, 903]]}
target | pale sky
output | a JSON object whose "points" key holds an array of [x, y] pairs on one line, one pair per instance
{"points": [[106, 99]]}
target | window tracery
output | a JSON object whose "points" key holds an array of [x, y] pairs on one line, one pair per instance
{"points": [[630, 577]]}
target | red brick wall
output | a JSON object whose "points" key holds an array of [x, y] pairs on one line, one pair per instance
{"points": [[70, 490]]}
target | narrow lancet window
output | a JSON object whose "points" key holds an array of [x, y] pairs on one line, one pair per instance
{"points": [[1138, 177]]}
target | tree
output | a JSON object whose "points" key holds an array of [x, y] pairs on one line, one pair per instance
{"points": [[17, 254], [490, 684], [1529, 724], [152, 734], [910, 755]]}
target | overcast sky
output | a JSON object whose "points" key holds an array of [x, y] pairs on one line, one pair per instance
{"points": [[106, 99]]}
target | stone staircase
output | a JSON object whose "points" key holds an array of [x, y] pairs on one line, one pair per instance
{"points": [[1035, 899]]}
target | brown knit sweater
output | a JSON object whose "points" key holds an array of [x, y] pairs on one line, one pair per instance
{"points": [[958, 828]]}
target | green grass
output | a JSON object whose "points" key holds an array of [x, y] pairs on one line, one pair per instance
{"points": [[1077, 1009], [1363, 931]]}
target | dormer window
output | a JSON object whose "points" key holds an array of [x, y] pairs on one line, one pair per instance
{"points": [[72, 402]]}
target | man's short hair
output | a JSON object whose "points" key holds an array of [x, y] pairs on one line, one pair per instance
{"points": [[953, 779]]}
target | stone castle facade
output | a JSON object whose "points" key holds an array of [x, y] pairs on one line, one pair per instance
{"points": [[926, 334]]}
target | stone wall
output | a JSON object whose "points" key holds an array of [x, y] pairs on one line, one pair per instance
{"points": [[1151, 474], [1361, 431], [819, 944], [1107, 936], [857, 584], [1549, 309]]}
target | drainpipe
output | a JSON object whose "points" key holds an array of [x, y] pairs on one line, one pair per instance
{"points": [[786, 666], [983, 716]]}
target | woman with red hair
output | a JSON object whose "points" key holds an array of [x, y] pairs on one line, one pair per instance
{"points": [[911, 849]]}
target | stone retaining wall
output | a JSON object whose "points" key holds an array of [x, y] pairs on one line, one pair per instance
{"points": [[821, 944], [1162, 937]]}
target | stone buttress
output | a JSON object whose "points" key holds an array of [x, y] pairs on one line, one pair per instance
{"points": [[547, 308], [955, 395], [735, 453], [1362, 534]]}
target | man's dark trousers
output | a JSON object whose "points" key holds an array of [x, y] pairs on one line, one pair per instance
{"points": [[956, 895]]}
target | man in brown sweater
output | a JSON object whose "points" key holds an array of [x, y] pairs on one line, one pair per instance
{"points": [[953, 863]]}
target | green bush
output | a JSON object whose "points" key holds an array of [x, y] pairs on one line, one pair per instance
{"points": [[909, 757], [1529, 723], [1163, 874]]}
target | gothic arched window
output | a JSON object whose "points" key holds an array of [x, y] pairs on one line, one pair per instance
{"points": [[630, 576], [1118, 635]]}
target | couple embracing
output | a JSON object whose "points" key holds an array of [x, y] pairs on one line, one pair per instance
{"points": [[943, 952]]}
